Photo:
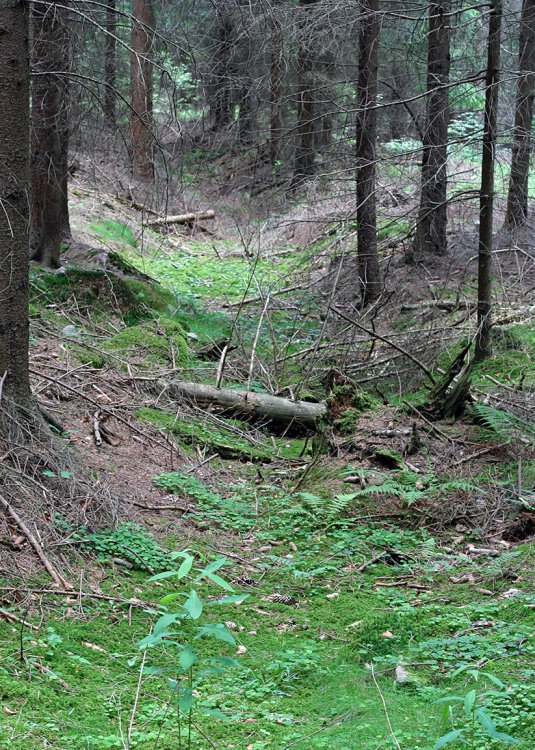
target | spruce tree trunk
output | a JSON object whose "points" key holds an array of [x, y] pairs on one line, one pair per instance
{"points": [[14, 188], [50, 132], [305, 154], [110, 65], [141, 70], [366, 136], [486, 200], [431, 237], [220, 74], [276, 85], [517, 199]]}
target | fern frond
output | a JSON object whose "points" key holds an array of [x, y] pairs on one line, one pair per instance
{"points": [[505, 425]]}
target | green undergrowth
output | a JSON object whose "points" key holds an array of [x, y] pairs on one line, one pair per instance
{"points": [[161, 341], [229, 439], [315, 645], [100, 292], [113, 231]]}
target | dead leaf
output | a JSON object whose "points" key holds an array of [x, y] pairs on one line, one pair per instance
{"points": [[241, 649], [387, 634], [8, 711]]}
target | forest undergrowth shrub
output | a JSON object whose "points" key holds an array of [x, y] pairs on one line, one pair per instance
{"points": [[129, 542]]}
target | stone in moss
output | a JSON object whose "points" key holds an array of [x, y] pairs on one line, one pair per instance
{"points": [[159, 341]]}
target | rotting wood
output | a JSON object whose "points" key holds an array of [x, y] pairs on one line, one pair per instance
{"points": [[189, 218], [273, 409], [35, 544]]}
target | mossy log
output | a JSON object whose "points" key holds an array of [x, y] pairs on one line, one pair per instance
{"points": [[189, 218], [258, 406]]}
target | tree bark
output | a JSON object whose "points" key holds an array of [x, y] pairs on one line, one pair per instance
{"points": [[141, 70], [221, 73], [517, 199], [14, 188], [431, 237], [305, 154], [273, 409], [50, 132], [276, 86], [366, 137], [110, 65], [486, 199]]}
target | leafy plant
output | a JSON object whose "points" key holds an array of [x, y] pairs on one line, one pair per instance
{"points": [[506, 426], [170, 633], [130, 542], [327, 508], [475, 713]]}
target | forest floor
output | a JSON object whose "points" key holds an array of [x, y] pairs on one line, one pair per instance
{"points": [[369, 580]]}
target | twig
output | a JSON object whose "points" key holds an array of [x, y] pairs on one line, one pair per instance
{"points": [[385, 708], [372, 561], [375, 335], [13, 618], [35, 544], [85, 594], [96, 429]]}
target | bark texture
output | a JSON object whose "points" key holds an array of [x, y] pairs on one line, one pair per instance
{"points": [[486, 200], [50, 132], [141, 71], [517, 199], [221, 69], [305, 154], [431, 237], [14, 188], [366, 137], [110, 64], [279, 411], [276, 85]]}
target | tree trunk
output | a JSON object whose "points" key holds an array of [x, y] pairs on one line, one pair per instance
{"points": [[276, 86], [486, 200], [517, 199], [50, 131], [14, 186], [274, 409], [305, 154], [141, 68], [110, 65], [366, 136], [431, 235], [221, 99]]}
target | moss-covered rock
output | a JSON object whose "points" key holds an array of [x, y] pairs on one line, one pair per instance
{"points": [[161, 341], [131, 298]]}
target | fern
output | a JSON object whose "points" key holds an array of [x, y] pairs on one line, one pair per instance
{"points": [[328, 508], [505, 425]]}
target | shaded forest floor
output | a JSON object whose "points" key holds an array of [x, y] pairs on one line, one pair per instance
{"points": [[367, 573]]}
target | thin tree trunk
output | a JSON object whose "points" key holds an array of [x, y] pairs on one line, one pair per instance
{"points": [[305, 154], [110, 65], [366, 132], [276, 86], [14, 187], [50, 128], [141, 67], [221, 100], [431, 237], [486, 200], [517, 199]]}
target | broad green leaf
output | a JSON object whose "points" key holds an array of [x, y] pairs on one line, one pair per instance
{"points": [[171, 597], [185, 701], [469, 703], [161, 576], [494, 679], [451, 699], [213, 566], [66, 474], [490, 727], [220, 581], [163, 623], [185, 567], [218, 631], [447, 738], [187, 658], [193, 605]]}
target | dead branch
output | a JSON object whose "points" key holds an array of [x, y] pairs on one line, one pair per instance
{"points": [[189, 218], [35, 544]]}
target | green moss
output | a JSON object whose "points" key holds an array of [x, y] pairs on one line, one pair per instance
{"points": [[348, 421], [159, 341], [390, 458], [102, 291], [114, 231]]}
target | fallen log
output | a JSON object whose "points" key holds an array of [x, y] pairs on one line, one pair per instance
{"points": [[188, 218], [273, 409]]}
